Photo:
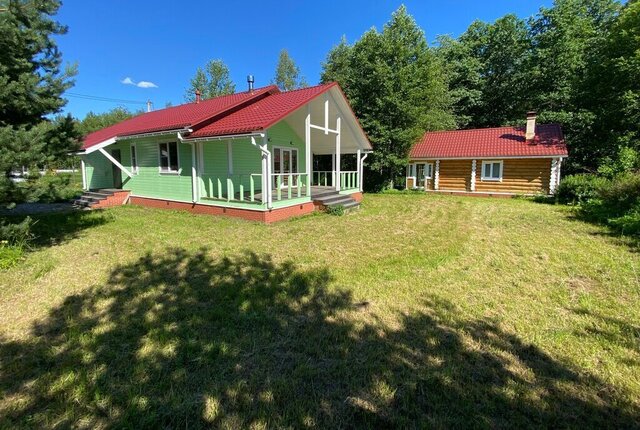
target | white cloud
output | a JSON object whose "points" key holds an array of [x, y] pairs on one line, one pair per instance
{"points": [[141, 84], [147, 84]]}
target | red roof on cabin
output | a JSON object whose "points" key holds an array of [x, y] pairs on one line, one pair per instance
{"points": [[185, 115], [263, 113], [491, 142]]}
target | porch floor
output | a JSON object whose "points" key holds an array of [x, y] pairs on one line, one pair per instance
{"points": [[317, 193]]}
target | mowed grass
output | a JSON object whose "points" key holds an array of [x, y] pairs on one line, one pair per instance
{"points": [[416, 311]]}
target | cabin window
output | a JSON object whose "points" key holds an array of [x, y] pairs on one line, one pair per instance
{"points": [[134, 159], [492, 170], [419, 172], [168, 157]]}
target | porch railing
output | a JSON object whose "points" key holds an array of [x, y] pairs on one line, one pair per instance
{"points": [[289, 185], [236, 188], [349, 180], [322, 178]]}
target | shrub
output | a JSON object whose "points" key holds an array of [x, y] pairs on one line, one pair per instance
{"points": [[616, 203], [580, 188], [628, 224], [337, 210], [14, 240], [49, 188]]}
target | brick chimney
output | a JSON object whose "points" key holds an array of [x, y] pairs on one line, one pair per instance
{"points": [[197, 96], [531, 126]]}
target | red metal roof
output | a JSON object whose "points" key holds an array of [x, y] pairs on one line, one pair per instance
{"points": [[263, 113], [491, 142], [185, 115]]}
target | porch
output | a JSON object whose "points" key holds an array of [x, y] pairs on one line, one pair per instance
{"points": [[245, 189]]}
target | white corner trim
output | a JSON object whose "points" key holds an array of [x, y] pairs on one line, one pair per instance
{"points": [[436, 181], [83, 166], [473, 175]]}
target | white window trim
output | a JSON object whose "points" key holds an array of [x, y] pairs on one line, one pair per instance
{"points": [[169, 171], [413, 172], [134, 168], [293, 148], [491, 179]]}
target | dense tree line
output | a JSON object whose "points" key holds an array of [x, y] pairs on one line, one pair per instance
{"points": [[577, 63]]}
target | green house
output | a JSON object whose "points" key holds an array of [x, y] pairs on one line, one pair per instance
{"points": [[250, 154]]}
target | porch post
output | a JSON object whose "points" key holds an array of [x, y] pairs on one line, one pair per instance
{"points": [[333, 168], [84, 174], [194, 174], [436, 181], [266, 172], [201, 186], [337, 169], [307, 148]]}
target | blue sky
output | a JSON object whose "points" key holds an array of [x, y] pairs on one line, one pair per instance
{"points": [[159, 44]]}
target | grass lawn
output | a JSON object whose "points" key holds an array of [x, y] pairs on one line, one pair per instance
{"points": [[416, 311]]}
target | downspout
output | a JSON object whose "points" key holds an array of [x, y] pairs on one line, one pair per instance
{"points": [[194, 171], [366, 154], [266, 154]]}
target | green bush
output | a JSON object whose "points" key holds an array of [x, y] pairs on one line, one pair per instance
{"points": [[614, 202], [337, 210], [576, 189], [14, 240], [628, 224]]}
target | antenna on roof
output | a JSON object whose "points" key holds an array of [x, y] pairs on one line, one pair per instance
{"points": [[250, 82]]}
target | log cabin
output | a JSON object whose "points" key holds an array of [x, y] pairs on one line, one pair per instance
{"points": [[501, 161]]}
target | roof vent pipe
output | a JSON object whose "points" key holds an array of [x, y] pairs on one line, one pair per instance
{"points": [[531, 126], [250, 82], [197, 96]]}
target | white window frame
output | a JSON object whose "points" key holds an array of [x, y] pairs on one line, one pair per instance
{"points": [[134, 167], [413, 172], [292, 148], [169, 171], [491, 178]]}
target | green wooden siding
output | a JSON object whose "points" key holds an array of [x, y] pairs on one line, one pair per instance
{"points": [[282, 135], [99, 173], [149, 182]]}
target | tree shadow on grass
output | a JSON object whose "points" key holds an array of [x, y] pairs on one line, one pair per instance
{"points": [[181, 339], [56, 228]]}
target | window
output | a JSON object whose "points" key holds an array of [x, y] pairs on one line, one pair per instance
{"points": [[168, 157], [492, 170], [134, 159], [419, 172]]}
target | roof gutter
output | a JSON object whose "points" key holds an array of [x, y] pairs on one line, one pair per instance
{"points": [[226, 137]]}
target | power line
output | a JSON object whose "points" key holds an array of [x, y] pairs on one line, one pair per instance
{"points": [[103, 99]]}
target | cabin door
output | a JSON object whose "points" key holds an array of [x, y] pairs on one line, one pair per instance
{"points": [[117, 174]]}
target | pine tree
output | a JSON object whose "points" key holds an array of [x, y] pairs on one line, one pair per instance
{"points": [[31, 86]]}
